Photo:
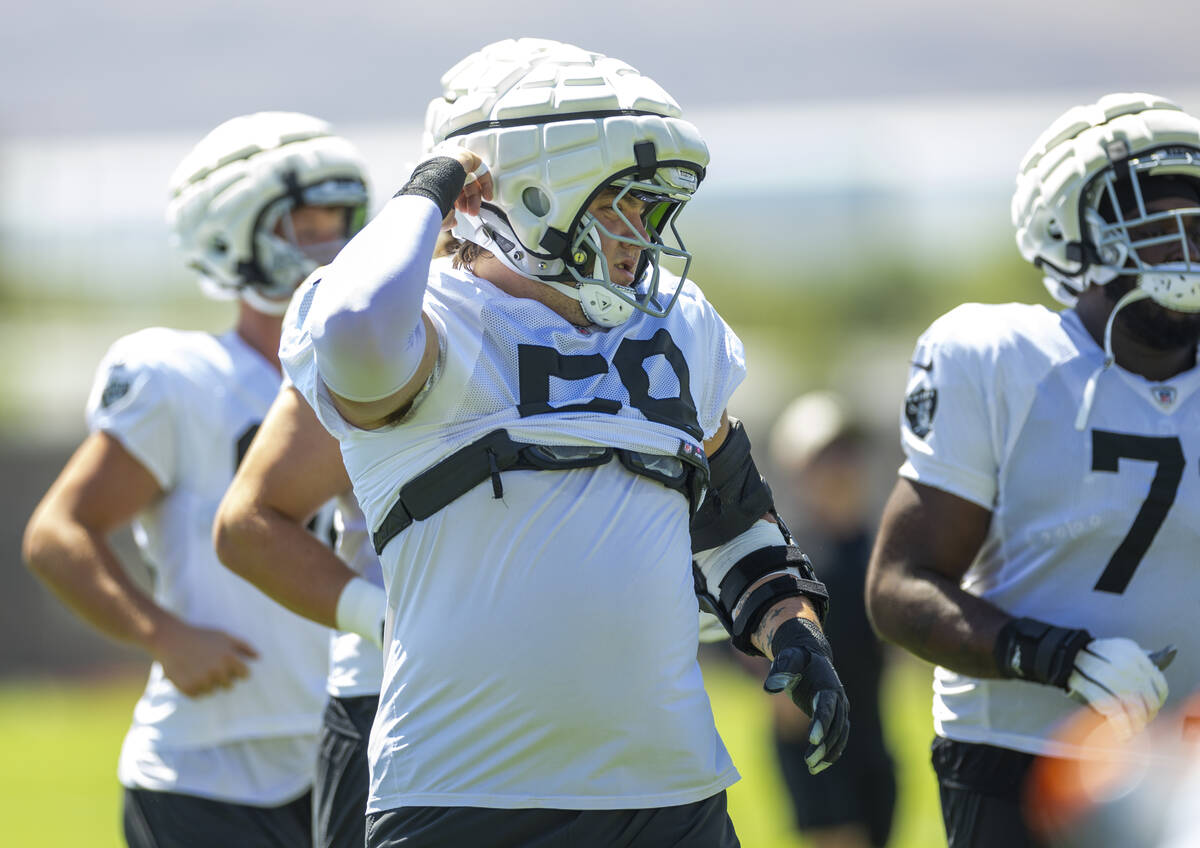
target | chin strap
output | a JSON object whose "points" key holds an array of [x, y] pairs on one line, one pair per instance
{"points": [[1089, 390], [600, 305], [259, 302]]}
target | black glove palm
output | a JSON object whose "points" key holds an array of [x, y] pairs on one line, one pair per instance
{"points": [[803, 667]]}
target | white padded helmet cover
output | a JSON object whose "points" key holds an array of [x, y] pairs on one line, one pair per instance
{"points": [[512, 104], [219, 190], [1047, 208]]}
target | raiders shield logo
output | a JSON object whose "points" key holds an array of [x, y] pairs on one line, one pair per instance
{"points": [[919, 407], [116, 387]]}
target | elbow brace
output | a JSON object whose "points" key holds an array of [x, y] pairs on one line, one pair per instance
{"points": [[743, 564], [368, 335]]}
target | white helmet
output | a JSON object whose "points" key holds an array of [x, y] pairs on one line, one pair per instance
{"points": [[234, 190], [556, 125], [1081, 178]]}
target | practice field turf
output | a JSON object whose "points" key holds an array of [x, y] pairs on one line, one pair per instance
{"points": [[58, 767], [758, 803], [60, 742]]}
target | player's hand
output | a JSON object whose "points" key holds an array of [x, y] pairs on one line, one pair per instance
{"points": [[478, 187], [1117, 679], [200, 660], [803, 667]]}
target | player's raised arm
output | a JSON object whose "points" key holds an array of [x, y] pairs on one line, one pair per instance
{"points": [[293, 468], [373, 348]]}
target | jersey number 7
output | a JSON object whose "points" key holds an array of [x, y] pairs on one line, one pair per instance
{"points": [[1165, 451]]}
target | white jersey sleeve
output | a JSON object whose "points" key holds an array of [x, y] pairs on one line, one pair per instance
{"points": [[131, 401], [727, 365], [947, 425]]}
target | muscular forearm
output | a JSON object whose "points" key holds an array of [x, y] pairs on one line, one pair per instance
{"points": [[931, 616], [785, 610], [80, 568], [284, 560]]}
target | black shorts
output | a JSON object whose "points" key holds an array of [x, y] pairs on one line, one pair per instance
{"points": [[980, 787], [704, 824], [859, 789], [170, 820], [340, 793]]}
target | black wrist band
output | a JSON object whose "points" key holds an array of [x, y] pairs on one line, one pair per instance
{"points": [[1029, 649], [440, 179]]}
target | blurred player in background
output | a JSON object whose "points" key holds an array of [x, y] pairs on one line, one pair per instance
{"points": [[291, 470], [527, 427], [820, 467], [1040, 545], [223, 742]]}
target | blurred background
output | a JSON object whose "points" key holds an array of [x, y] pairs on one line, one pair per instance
{"points": [[863, 156]]}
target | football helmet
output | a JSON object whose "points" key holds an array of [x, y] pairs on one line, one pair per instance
{"points": [[231, 198], [1080, 202], [557, 125]]}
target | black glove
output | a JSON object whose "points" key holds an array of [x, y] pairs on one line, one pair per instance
{"points": [[803, 666]]}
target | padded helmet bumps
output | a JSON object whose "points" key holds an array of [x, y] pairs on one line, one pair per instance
{"points": [[556, 124], [223, 194], [1063, 179]]}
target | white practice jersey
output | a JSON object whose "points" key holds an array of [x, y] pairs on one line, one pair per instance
{"points": [[542, 650], [1097, 529], [186, 405], [355, 664]]}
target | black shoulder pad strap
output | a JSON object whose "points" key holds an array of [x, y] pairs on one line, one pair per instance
{"points": [[737, 494]]}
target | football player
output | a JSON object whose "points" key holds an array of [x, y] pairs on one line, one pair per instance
{"points": [[223, 742], [292, 469], [530, 428], [1040, 544]]}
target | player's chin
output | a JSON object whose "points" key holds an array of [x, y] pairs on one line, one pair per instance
{"points": [[622, 277], [1160, 328]]}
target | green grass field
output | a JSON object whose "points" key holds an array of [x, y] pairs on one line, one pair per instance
{"points": [[758, 804], [60, 742]]}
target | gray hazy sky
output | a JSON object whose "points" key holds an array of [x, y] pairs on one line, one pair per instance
{"points": [[122, 65]]}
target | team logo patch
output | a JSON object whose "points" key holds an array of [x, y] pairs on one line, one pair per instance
{"points": [[1164, 396], [116, 387], [919, 408]]}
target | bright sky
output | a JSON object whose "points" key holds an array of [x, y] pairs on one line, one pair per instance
{"points": [[124, 65]]}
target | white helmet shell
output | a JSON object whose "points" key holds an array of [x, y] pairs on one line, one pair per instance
{"points": [[555, 125], [233, 188], [1074, 168]]}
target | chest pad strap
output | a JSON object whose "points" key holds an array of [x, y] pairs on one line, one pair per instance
{"points": [[449, 479]]}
